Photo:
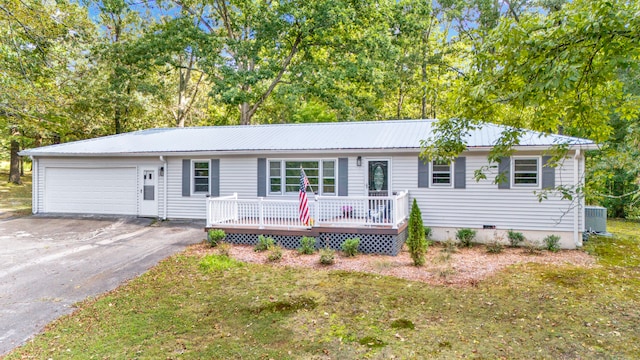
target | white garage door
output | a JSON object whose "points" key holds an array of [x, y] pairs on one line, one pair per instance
{"points": [[91, 191]]}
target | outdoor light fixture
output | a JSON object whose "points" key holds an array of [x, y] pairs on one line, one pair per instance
{"points": [[161, 170], [359, 161]]}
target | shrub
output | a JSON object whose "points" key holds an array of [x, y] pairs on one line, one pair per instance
{"points": [[416, 240], [214, 236], [275, 253], [264, 243], [307, 245], [531, 247], [427, 232], [327, 256], [495, 247], [466, 236], [515, 238], [449, 246], [552, 243], [223, 248], [350, 247]]}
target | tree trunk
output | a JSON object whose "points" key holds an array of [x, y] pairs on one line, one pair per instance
{"points": [[14, 168], [117, 119], [423, 108], [245, 114]]}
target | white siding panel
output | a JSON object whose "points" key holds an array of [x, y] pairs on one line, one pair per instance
{"points": [[482, 203]]}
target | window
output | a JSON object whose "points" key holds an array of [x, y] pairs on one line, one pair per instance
{"points": [[284, 176], [525, 171], [441, 173], [328, 177], [200, 177], [275, 177]]}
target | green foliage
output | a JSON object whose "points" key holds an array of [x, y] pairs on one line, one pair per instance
{"points": [[274, 253], [449, 246], [211, 263], [264, 243], [427, 232], [531, 247], [215, 236], [416, 239], [515, 238], [307, 245], [403, 324], [350, 247], [223, 249], [552, 243], [466, 237], [327, 256], [495, 247]]}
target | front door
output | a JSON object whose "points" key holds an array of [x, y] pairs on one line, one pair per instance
{"points": [[378, 177], [148, 191]]}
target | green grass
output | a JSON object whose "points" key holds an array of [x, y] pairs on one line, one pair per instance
{"points": [[193, 307], [14, 199]]}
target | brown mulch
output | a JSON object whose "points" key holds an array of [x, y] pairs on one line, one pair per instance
{"points": [[466, 266]]}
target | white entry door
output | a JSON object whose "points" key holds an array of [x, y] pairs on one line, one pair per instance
{"points": [[148, 191]]}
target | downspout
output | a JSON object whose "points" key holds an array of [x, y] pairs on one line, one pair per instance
{"points": [[164, 181], [34, 185], [576, 209]]}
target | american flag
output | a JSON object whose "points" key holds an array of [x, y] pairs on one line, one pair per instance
{"points": [[304, 203]]}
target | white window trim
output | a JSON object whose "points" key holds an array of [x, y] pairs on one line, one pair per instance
{"points": [[283, 186], [193, 178], [512, 172], [451, 179]]}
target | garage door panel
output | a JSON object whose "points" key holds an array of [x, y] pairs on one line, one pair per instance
{"points": [[91, 190]]}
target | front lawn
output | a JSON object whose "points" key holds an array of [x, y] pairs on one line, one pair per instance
{"points": [[207, 306]]}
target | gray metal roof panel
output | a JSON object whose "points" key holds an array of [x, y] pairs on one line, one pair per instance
{"points": [[391, 134]]}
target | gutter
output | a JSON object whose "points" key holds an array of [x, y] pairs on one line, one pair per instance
{"points": [[576, 209], [164, 180], [34, 185]]}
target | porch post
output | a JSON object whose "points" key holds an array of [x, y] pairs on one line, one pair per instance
{"points": [[395, 212], [261, 207], [317, 212], [208, 202]]}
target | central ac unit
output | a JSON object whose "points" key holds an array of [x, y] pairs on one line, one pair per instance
{"points": [[595, 219]]}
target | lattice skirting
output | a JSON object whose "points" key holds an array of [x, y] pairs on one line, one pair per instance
{"points": [[369, 243]]}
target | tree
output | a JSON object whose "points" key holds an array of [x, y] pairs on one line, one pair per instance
{"points": [[38, 49], [416, 239], [551, 72]]}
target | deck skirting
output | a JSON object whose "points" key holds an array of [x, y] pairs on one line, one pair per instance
{"points": [[372, 240]]}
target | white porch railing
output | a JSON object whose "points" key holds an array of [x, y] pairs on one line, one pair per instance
{"points": [[348, 211]]}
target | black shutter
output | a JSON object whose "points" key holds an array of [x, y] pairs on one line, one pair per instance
{"points": [[214, 178], [548, 174], [343, 176], [186, 177], [460, 171], [423, 173], [262, 177], [504, 168]]}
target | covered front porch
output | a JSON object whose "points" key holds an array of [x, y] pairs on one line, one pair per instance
{"points": [[379, 221]]}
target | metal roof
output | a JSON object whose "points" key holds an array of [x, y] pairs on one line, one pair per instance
{"points": [[365, 135]]}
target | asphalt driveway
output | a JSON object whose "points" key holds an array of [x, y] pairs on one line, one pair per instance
{"points": [[48, 264]]}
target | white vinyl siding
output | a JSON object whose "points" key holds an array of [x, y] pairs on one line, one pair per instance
{"points": [[482, 203]]}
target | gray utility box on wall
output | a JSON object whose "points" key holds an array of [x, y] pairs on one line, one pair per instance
{"points": [[595, 219]]}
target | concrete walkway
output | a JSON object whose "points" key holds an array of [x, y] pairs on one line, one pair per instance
{"points": [[47, 264]]}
